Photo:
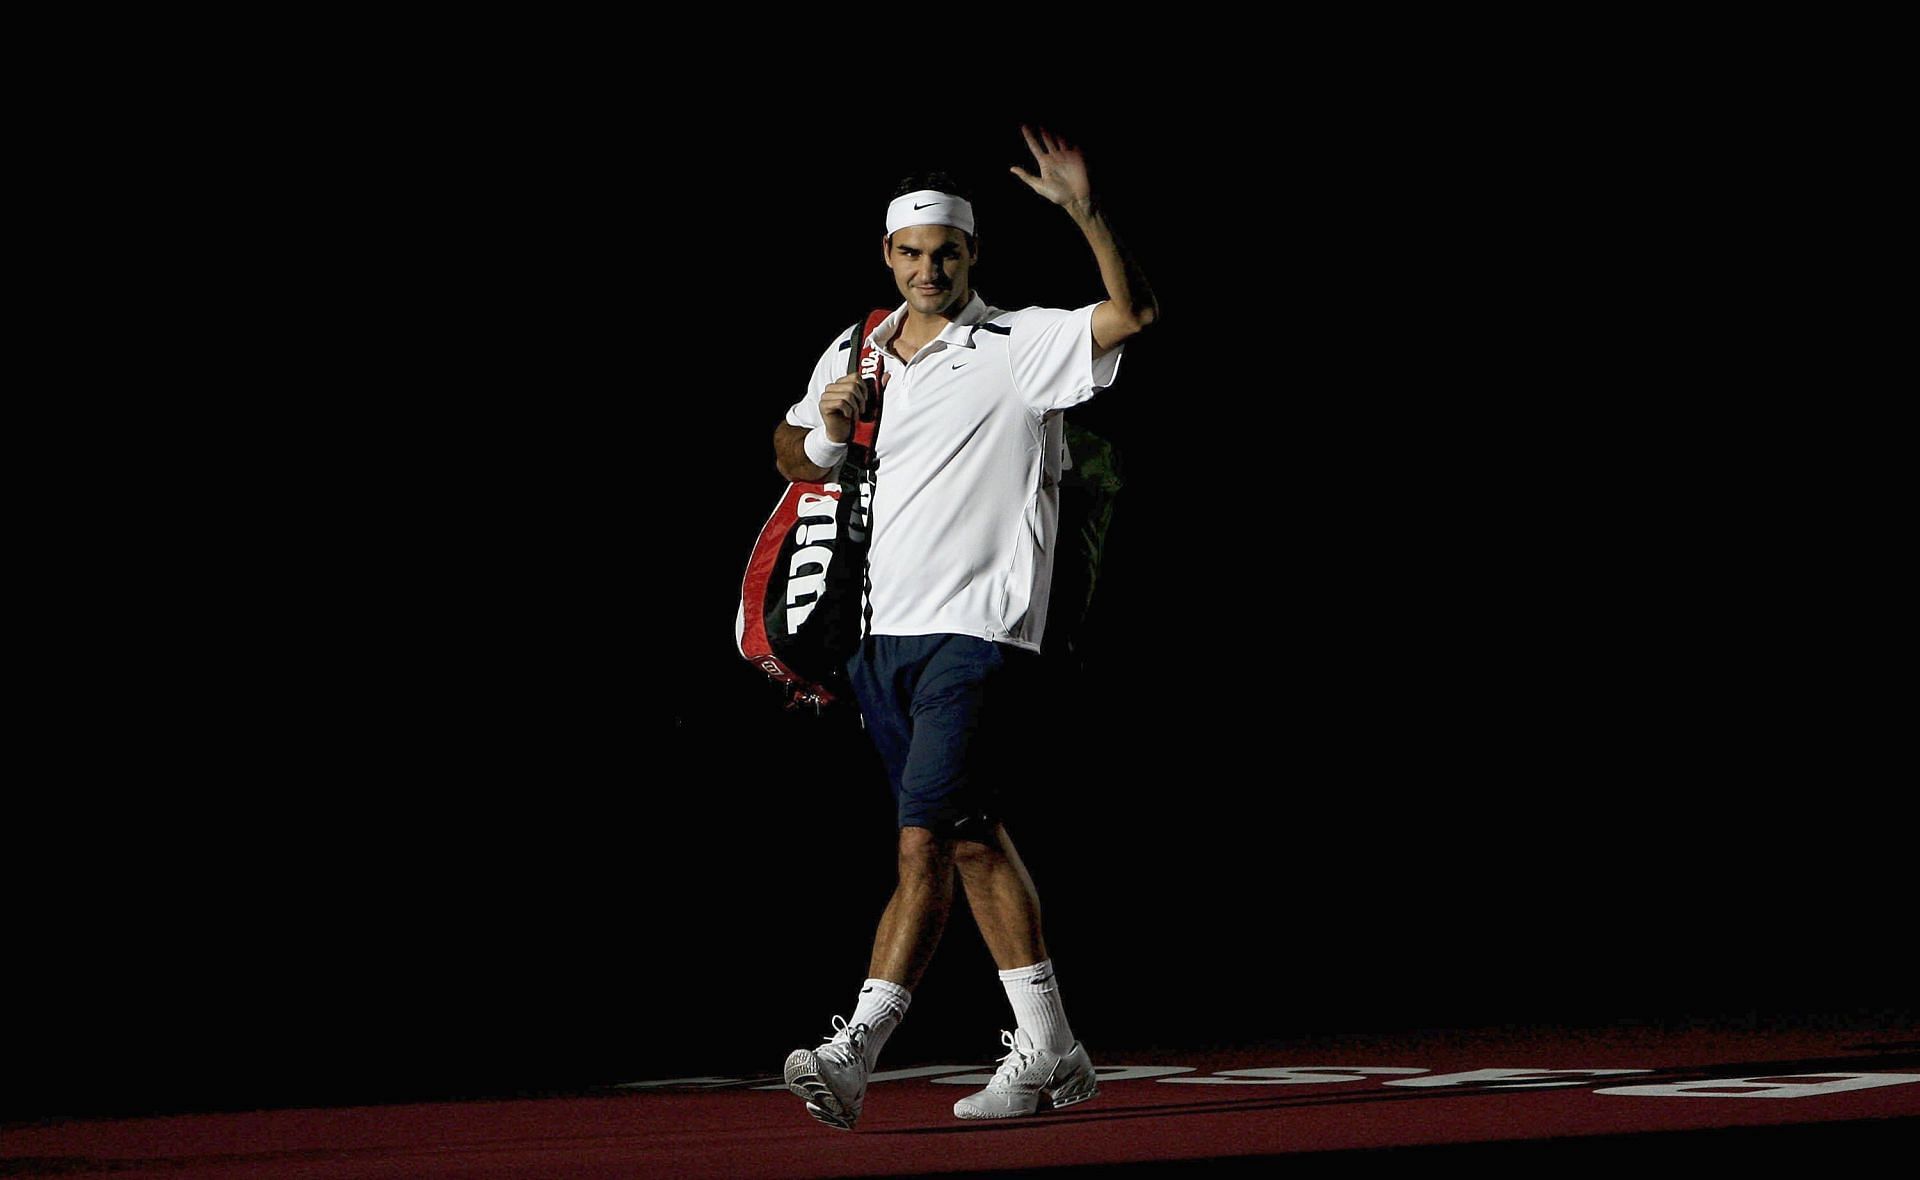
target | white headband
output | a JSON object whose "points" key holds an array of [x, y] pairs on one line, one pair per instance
{"points": [[930, 207]]}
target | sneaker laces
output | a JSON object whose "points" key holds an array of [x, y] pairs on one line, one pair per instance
{"points": [[848, 1042], [1017, 1057]]}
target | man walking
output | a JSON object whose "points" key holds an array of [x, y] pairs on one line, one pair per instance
{"points": [[964, 516]]}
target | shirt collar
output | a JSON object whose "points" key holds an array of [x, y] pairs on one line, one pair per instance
{"points": [[959, 332]]}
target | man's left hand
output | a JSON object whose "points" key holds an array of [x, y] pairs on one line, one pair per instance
{"points": [[1063, 170]]}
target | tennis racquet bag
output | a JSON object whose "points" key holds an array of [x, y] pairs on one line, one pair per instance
{"points": [[802, 602]]}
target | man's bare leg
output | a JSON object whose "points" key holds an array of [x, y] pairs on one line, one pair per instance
{"points": [[1005, 904], [916, 917], [1046, 1062], [833, 1078]]}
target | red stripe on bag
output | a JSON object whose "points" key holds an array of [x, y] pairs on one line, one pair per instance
{"points": [[812, 652]]}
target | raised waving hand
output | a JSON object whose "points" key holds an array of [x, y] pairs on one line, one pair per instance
{"points": [[1063, 170]]}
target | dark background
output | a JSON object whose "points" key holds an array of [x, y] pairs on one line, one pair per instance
{"points": [[1442, 670]]}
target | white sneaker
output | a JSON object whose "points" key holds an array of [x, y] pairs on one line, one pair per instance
{"points": [[832, 1078], [1031, 1079]]}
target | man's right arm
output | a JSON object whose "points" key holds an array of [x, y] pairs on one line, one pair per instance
{"points": [[790, 455], [837, 408]]}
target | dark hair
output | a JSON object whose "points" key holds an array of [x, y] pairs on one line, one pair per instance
{"points": [[933, 180], [939, 182]]}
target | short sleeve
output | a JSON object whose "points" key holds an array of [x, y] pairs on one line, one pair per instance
{"points": [[832, 364], [1051, 351]]}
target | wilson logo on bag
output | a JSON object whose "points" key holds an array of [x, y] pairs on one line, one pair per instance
{"points": [[803, 600]]}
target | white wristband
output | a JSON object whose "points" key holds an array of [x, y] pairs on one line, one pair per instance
{"points": [[822, 451]]}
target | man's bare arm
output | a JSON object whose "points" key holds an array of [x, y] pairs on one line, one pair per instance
{"points": [[840, 406], [1130, 304], [790, 455]]}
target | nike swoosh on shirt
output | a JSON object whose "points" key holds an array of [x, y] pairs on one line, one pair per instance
{"points": [[957, 364]]}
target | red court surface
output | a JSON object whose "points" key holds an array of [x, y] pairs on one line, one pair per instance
{"points": [[1475, 1097]]}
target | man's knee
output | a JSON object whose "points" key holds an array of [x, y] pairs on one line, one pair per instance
{"points": [[924, 855], [978, 853]]}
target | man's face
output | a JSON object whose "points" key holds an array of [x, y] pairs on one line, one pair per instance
{"points": [[931, 266]]}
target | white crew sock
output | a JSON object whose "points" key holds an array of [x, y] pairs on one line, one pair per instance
{"points": [[883, 1004], [1035, 995]]}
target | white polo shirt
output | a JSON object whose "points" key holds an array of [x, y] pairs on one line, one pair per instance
{"points": [[966, 501]]}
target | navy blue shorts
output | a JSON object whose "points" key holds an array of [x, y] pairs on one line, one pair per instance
{"points": [[945, 712]]}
